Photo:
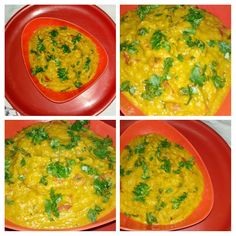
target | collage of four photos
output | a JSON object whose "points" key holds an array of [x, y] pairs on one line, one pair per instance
{"points": [[117, 117]]}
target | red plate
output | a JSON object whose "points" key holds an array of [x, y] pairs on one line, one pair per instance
{"points": [[19, 89], [216, 155], [168, 131], [59, 97], [223, 12], [100, 128]]}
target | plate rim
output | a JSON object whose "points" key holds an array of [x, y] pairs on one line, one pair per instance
{"points": [[18, 108]]}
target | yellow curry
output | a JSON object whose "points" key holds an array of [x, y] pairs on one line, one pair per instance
{"points": [[61, 58], [58, 175], [174, 60], [160, 181]]}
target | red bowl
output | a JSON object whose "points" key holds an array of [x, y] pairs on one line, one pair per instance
{"points": [[53, 96], [100, 128], [22, 94], [166, 130], [223, 12]]}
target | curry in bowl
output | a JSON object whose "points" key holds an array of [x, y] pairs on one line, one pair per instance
{"points": [[161, 184], [58, 175], [62, 58], [174, 60]]}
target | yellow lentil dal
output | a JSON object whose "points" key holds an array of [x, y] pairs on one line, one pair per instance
{"points": [[61, 58], [160, 182], [174, 60], [58, 175]]}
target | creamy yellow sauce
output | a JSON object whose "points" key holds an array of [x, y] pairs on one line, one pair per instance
{"points": [[160, 181], [58, 175], [174, 60], [61, 58]]}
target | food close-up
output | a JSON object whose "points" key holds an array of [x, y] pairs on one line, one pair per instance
{"points": [[170, 184], [62, 56], [59, 175], [168, 180], [174, 60]]}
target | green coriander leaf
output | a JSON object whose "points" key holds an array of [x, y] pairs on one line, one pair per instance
{"points": [[150, 218], [55, 143], [43, 180], [176, 202], [159, 40], [196, 76], [103, 188], [194, 17], [37, 135], [152, 88], [141, 191], [142, 31], [22, 162], [87, 63], [37, 70], [129, 47], [76, 38], [65, 48], [127, 87], [54, 33], [93, 213], [58, 170], [62, 74], [225, 48]]}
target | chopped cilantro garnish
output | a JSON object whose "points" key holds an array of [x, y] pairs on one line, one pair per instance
{"points": [[93, 213], [152, 88], [58, 170], [141, 191], [225, 48], [142, 11], [197, 75], [89, 170], [62, 74], [142, 31], [127, 87], [87, 63], [129, 47], [159, 40], [65, 48], [102, 188], [194, 17], [150, 218], [51, 205], [76, 38], [78, 84], [176, 202], [37, 135], [40, 46], [54, 33], [43, 180], [37, 70], [189, 91]]}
